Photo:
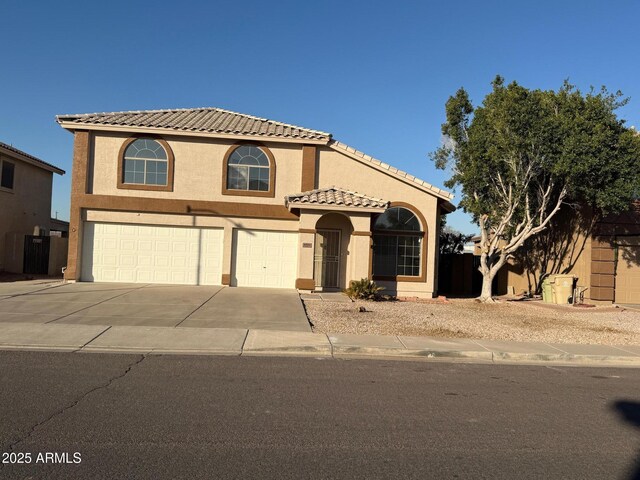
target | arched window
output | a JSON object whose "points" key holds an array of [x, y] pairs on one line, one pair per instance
{"points": [[249, 170], [397, 244], [146, 163]]}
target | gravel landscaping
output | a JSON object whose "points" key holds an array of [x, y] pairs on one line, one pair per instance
{"points": [[465, 318]]}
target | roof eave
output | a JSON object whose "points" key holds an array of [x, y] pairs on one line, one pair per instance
{"points": [[447, 206], [73, 126], [36, 163], [340, 208]]}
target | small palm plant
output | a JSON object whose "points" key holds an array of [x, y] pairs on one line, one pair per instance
{"points": [[363, 289]]}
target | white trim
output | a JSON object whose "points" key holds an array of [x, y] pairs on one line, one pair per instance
{"points": [[339, 208]]}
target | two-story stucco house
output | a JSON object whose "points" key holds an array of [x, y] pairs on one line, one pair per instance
{"points": [[209, 196], [25, 207]]}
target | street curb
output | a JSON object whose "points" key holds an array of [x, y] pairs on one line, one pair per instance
{"points": [[461, 354], [566, 358], [289, 352], [496, 358], [160, 351], [256, 343], [39, 348], [273, 343]]}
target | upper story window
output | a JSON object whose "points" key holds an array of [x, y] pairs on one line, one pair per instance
{"points": [[398, 243], [146, 164], [7, 172], [249, 170]]}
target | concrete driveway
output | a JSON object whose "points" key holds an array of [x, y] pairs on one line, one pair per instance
{"points": [[152, 305]]}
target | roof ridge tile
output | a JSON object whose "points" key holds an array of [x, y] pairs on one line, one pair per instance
{"points": [[343, 147], [272, 127]]}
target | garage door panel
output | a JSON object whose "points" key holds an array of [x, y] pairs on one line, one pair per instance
{"points": [[264, 258], [151, 254]]}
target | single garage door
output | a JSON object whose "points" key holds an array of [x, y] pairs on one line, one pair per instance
{"points": [[628, 270], [264, 258], [114, 252]]}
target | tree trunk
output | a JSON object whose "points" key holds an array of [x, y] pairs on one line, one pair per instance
{"points": [[490, 265], [487, 282]]}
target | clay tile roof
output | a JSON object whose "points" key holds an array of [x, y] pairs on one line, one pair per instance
{"points": [[205, 120], [36, 160], [217, 120], [353, 153], [337, 197]]}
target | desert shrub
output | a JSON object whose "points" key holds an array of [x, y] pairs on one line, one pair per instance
{"points": [[363, 289]]}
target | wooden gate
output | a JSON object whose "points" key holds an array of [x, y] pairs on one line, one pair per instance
{"points": [[36, 255]]}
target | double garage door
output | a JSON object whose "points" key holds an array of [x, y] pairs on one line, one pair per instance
{"points": [[114, 252]]}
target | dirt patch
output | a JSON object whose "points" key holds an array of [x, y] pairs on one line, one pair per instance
{"points": [[465, 318]]}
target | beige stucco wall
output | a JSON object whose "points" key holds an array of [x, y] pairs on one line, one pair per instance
{"points": [[577, 262], [340, 170], [13, 252], [58, 247], [198, 176], [27, 205], [197, 170]]}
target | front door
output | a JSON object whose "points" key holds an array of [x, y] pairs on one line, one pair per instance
{"points": [[327, 258]]}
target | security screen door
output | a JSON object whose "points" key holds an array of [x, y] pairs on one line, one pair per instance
{"points": [[327, 258]]}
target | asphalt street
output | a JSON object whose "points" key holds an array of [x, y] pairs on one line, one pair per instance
{"points": [[130, 416]]}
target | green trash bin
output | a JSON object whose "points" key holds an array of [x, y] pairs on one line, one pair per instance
{"points": [[547, 289]]}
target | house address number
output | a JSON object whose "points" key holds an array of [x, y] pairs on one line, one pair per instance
{"points": [[307, 245]]}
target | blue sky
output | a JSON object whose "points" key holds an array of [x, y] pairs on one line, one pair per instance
{"points": [[375, 74]]}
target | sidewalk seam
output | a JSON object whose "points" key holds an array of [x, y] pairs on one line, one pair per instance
{"points": [[401, 342], [96, 304], [330, 345], [556, 348], [626, 351], [62, 284], [243, 342], [78, 349], [198, 308], [493, 355]]}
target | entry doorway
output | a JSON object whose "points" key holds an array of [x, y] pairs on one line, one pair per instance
{"points": [[327, 259]]}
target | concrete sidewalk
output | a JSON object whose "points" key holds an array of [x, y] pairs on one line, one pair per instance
{"points": [[236, 341]]}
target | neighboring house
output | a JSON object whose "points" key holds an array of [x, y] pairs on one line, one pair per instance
{"points": [[209, 196], [603, 255], [25, 208], [59, 228]]}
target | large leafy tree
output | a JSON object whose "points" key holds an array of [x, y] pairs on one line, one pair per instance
{"points": [[524, 153]]}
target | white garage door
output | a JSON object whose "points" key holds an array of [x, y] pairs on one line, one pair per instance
{"points": [[264, 258], [114, 252]]}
